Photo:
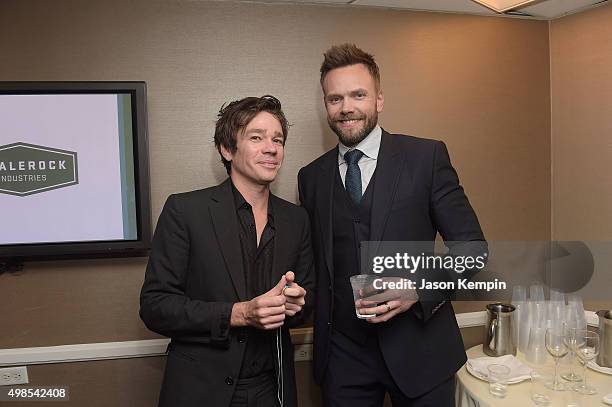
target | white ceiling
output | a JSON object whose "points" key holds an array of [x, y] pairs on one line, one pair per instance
{"points": [[540, 9]]}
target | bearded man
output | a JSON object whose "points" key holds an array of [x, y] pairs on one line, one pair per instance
{"points": [[377, 186]]}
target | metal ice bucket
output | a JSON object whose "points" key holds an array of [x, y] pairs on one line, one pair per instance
{"points": [[498, 339], [604, 358]]}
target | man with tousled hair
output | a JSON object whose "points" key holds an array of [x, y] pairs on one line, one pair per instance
{"points": [[230, 271], [377, 186]]}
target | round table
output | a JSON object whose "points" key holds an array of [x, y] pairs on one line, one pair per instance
{"points": [[473, 392]]}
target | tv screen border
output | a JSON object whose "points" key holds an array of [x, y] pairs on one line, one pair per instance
{"points": [[15, 253]]}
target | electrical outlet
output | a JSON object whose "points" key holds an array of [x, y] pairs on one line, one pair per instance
{"points": [[302, 352], [10, 376]]}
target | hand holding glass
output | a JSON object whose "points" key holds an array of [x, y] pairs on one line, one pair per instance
{"points": [[362, 285]]}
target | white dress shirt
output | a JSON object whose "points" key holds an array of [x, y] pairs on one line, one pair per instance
{"points": [[369, 146]]}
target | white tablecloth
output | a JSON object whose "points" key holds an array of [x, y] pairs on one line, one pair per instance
{"points": [[473, 392]]}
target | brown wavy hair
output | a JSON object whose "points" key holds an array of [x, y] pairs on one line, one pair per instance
{"points": [[235, 116], [339, 56]]}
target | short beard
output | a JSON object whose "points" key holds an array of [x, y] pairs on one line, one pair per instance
{"points": [[354, 139]]}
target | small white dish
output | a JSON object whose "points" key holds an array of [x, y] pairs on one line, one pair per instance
{"points": [[601, 369], [483, 377]]}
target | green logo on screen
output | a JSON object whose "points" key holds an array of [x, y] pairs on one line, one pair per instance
{"points": [[27, 169]]}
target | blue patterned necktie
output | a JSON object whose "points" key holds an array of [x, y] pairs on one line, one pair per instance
{"points": [[352, 181]]}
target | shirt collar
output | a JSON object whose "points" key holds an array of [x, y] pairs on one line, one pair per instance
{"points": [[242, 203], [369, 146], [238, 198]]}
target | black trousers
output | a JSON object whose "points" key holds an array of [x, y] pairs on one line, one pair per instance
{"points": [[259, 391], [357, 376]]}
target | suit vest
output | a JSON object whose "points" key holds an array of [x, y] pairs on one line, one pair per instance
{"points": [[351, 225]]}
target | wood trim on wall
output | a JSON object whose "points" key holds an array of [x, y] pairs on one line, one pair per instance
{"points": [[157, 347]]}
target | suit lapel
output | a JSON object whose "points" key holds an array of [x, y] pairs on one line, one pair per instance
{"points": [[225, 223], [388, 169], [325, 195]]}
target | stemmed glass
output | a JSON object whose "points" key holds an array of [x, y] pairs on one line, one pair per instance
{"points": [[570, 331], [587, 349], [555, 345]]}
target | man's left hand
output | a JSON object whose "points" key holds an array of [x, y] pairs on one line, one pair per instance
{"points": [[294, 295]]}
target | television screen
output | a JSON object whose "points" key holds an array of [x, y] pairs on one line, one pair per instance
{"points": [[73, 169]]}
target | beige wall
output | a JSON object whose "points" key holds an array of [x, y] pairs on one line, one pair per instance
{"points": [[444, 76], [481, 84], [581, 81], [104, 383], [581, 138]]}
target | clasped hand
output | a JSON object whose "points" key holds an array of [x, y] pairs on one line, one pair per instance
{"points": [[268, 311]]}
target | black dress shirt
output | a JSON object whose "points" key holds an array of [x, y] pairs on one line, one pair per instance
{"points": [[257, 261]]}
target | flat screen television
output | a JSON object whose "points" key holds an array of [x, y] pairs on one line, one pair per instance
{"points": [[74, 170]]}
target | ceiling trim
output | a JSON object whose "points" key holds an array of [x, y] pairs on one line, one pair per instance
{"points": [[491, 5]]}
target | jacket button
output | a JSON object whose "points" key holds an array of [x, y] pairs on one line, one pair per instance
{"points": [[329, 323], [229, 380], [242, 338], [329, 287]]}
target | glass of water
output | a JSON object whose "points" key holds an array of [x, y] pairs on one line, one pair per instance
{"points": [[362, 285], [498, 376], [541, 392]]}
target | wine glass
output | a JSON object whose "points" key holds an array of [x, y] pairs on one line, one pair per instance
{"points": [[570, 331], [555, 345], [587, 349]]}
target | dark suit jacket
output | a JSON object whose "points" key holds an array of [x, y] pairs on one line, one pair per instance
{"points": [[195, 275], [416, 195]]}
